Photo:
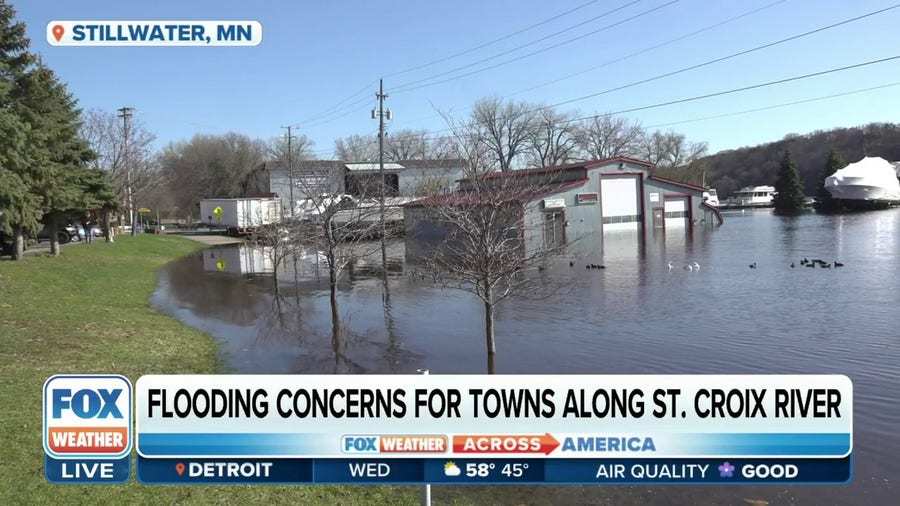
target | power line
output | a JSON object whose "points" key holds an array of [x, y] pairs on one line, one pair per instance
{"points": [[701, 97], [651, 48], [786, 104], [736, 113], [528, 55], [338, 105], [324, 152], [345, 114], [747, 88], [626, 57], [703, 64], [338, 113], [125, 113], [733, 55], [486, 44], [381, 95], [290, 166], [554, 34], [709, 62]]}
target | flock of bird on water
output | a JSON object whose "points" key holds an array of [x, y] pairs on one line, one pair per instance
{"points": [[694, 266]]}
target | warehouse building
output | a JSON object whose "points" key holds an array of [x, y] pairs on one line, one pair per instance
{"points": [[578, 203]]}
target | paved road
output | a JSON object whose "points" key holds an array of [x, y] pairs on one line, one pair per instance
{"points": [[44, 247], [213, 240]]}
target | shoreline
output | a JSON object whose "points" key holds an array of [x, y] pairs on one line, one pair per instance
{"points": [[88, 312]]}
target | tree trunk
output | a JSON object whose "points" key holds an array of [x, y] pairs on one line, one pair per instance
{"points": [[332, 284], [489, 320], [275, 263], [108, 233], [54, 235], [335, 339], [335, 318], [18, 244]]}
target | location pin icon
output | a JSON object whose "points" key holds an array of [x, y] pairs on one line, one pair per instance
{"points": [[179, 468], [58, 31]]}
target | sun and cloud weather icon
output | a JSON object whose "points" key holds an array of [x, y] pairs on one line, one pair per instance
{"points": [[726, 470], [451, 469]]}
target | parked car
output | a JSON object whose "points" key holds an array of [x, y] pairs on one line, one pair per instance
{"points": [[6, 244], [64, 234], [96, 231]]}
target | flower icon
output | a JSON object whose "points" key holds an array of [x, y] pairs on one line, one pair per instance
{"points": [[726, 470]]}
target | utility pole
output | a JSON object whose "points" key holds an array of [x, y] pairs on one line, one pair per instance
{"points": [[381, 95], [125, 114], [290, 168]]}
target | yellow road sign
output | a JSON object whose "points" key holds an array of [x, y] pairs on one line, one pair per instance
{"points": [[143, 210]]}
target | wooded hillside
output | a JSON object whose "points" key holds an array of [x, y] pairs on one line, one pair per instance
{"points": [[727, 171]]}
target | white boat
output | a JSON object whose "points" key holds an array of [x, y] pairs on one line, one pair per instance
{"points": [[870, 182], [710, 197], [752, 196]]}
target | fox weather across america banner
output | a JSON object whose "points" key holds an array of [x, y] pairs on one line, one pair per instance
{"points": [[451, 429]]}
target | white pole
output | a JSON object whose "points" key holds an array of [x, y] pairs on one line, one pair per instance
{"points": [[426, 493]]}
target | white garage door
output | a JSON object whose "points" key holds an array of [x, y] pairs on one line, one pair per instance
{"points": [[676, 212], [620, 203]]}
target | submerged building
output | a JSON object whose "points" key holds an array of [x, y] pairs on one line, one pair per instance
{"points": [[577, 203], [404, 179]]}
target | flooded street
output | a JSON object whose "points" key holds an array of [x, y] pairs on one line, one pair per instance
{"points": [[637, 316]]}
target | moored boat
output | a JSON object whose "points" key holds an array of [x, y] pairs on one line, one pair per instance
{"points": [[867, 184], [751, 197]]}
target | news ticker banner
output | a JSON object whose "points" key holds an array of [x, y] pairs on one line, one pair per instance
{"points": [[457, 429]]}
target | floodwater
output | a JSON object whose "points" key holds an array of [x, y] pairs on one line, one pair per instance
{"points": [[637, 316]]}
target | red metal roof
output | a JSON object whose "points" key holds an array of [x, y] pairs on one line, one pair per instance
{"points": [[679, 183], [520, 195], [590, 164]]}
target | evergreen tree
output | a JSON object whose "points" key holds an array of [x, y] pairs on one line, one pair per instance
{"points": [[43, 156], [788, 190], [824, 200], [57, 153], [21, 207]]}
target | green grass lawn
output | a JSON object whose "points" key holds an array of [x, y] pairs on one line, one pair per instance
{"points": [[87, 311]]}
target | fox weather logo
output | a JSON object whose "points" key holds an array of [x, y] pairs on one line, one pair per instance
{"points": [[87, 416]]}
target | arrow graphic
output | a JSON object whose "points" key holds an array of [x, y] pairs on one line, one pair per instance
{"points": [[522, 443]]}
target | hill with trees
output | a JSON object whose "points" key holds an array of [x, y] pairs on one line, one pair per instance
{"points": [[727, 171]]}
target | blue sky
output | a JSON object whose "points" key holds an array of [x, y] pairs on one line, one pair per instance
{"points": [[317, 54]]}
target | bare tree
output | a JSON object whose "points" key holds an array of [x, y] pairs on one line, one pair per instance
{"points": [[300, 149], [209, 166], [104, 131], [554, 138], [443, 148], [504, 128], [277, 245], [339, 228], [674, 156], [406, 145], [470, 145], [481, 229], [605, 136], [356, 148]]}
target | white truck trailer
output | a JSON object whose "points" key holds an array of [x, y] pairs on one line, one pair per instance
{"points": [[240, 216]]}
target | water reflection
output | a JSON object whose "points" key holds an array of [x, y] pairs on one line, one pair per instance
{"points": [[635, 316]]}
